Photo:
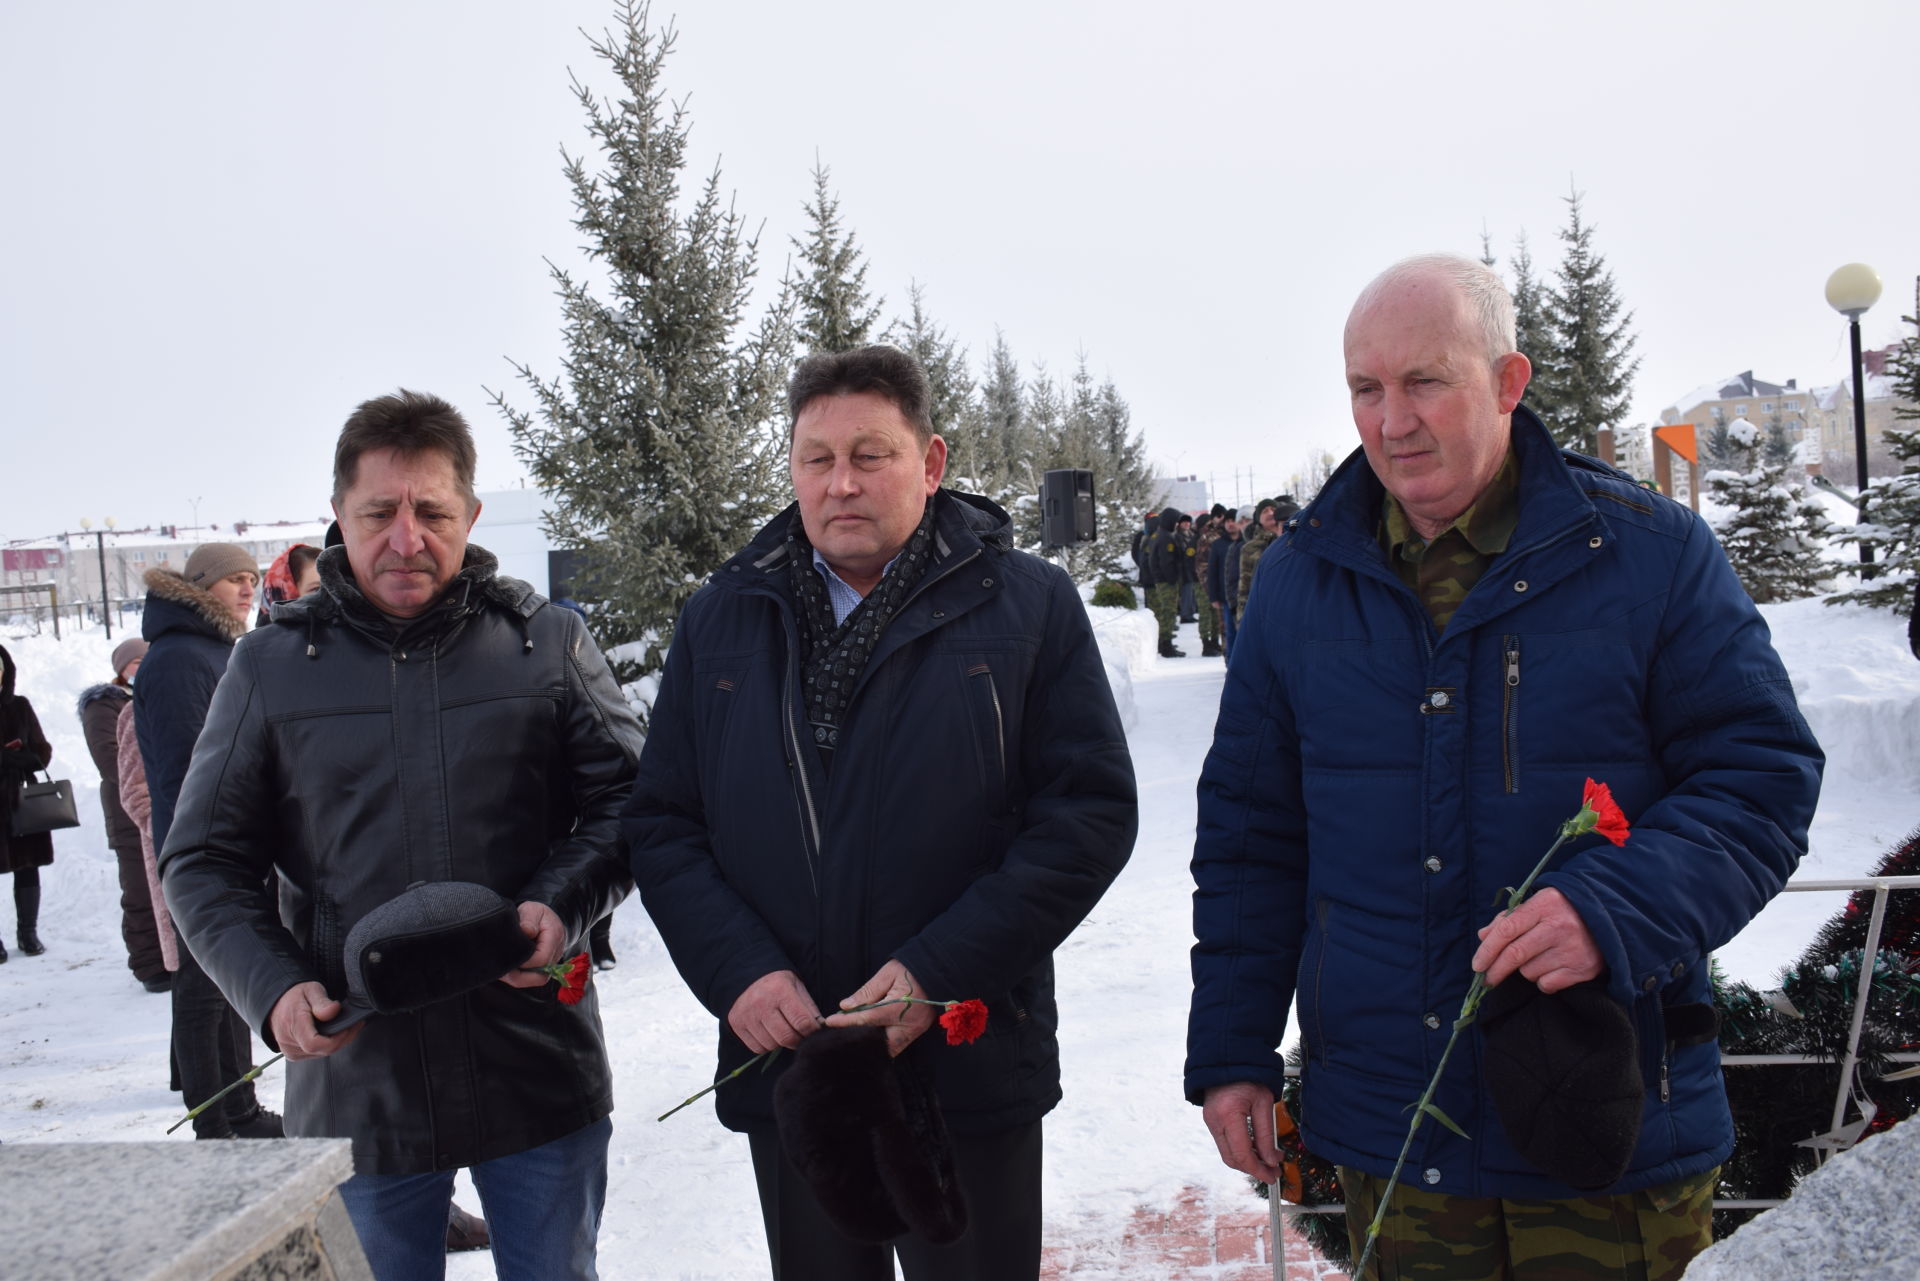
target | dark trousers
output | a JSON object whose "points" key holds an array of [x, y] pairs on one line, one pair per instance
{"points": [[212, 1047], [999, 1173], [138, 930]]}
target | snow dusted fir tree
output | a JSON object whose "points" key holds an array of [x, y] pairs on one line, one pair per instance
{"points": [[1003, 466], [955, 409], [1590, 373], [1775, 529], [666, 438], [1533, 335], [833, 311], [1090, 427], [1892, 523]]}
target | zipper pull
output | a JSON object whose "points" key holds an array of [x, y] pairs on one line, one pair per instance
{"points": [[1513, 664], [1666, 1086]]}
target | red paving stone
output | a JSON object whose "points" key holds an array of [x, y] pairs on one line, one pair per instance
{"points": [[1199, 1239]]}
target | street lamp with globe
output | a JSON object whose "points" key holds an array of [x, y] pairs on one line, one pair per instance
{"points": [[1851, 290]]}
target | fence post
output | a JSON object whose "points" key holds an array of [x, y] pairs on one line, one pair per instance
{"points": [[1863, 986]]}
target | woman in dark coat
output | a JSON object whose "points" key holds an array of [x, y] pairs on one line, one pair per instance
{"points": [[24, 751], [100, 707], [192, 618]]}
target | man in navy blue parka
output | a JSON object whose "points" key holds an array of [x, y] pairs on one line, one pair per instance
{"points": [[1465, 625], [884, 760]]}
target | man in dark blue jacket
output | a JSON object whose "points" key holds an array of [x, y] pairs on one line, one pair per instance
{"points": [[884, 762], [1463, 627]]}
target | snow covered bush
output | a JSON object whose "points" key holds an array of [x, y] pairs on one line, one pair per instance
{"points": [[1775, 529]]}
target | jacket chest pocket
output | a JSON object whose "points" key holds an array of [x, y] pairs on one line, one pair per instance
{"points": [[987, 716]]}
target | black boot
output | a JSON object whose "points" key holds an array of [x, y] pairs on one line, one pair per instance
{"points": [[465, 1231], [26, 902], [600, 944], [3, 953], [258, 1124], [1168, 651]]}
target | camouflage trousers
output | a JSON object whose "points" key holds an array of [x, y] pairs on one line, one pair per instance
{"points": [[1649, 1235], [1164, 600], [1209, 622]]}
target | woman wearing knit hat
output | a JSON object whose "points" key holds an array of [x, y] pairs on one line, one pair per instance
{"points": [[192, 619], [99, 711]]}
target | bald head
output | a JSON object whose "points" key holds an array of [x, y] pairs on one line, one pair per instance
{"points": [[1480, 292], [1433, 386]]}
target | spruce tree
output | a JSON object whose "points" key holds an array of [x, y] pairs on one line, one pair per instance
{"points": [[1125, 481], [1533, 335], [1892, 519], [1774, 530], [665, 438], [833, 311], [955, 408], [1594, 363], [1005, 446]]}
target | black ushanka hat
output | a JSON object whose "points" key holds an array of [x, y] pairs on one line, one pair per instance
{"points": [[865, 1131], [436, 941], [1564, 1072]]}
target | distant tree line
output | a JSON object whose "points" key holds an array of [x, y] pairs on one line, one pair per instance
{"points": [[662, 444]]}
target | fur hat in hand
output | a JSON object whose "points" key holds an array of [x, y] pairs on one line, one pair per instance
{"points": [[1564, 1072], [866, 1133], [432, 943]]}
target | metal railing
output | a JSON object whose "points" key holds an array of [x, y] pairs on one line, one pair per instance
{"points": [[1849, 1064]]}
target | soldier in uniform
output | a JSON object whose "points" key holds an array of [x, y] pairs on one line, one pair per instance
{"points": [[1165, 554], [1203, 540]]}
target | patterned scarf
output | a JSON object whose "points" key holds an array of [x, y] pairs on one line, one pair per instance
{"points": [[832, 658]]}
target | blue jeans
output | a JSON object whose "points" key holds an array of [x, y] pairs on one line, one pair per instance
{"points": [[542, 1208]]}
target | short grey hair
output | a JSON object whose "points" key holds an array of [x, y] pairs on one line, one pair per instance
{"points": [[1485, 293]]}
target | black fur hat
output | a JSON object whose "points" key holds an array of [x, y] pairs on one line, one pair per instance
{"points": [[865, 1131], [432, 943], [1564, 1072]]}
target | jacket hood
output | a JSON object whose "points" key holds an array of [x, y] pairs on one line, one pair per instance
{"points": [[175, 605], [6, 673], [1169, 519], [960, 520], [340, 600], [94, 693]]}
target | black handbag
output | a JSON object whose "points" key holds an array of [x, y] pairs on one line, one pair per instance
{"points": [[44, 807]]}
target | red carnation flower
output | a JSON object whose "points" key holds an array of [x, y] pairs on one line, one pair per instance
{"points": [[1608, 820], [964, 1021], [572, 976]]}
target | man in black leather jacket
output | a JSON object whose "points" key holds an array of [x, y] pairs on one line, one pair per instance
{"points": [[420, 718]]}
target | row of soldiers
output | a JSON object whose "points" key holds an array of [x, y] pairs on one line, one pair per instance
{"points": [[1175, 560]]}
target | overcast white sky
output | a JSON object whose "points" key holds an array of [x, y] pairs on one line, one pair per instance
{"points": [[226, 224]]}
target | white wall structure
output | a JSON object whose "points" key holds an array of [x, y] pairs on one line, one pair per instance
{"points": [[509, 527]]}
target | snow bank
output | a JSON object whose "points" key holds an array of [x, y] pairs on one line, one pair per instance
{"points": [[83, 1050], [1128, 639], [1850, 1220]]}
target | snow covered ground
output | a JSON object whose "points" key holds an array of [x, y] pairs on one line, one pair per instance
{"points": [[83, 1048]]}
